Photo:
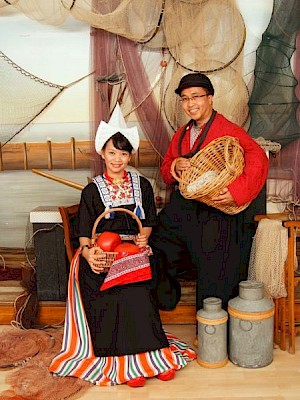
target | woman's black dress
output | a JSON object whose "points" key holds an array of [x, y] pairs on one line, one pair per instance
{"points": [[123, 319]]}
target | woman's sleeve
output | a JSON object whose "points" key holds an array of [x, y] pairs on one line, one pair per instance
{"points": [[87, 210]]}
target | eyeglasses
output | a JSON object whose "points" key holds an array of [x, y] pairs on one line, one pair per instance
{"points": [[194, 98]]}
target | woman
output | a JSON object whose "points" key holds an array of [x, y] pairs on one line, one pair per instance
{"points": [[115, 336]]}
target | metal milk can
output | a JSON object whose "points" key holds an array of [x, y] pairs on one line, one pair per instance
{"points": [[251, 325], [212, 334]]}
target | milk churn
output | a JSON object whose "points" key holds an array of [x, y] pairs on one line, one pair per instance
{"points": [[251, 324], [212, 334]]}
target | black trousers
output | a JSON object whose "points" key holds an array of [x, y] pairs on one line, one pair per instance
{"points": [[216, 244]]}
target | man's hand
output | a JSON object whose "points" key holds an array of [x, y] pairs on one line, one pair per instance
{"points": [[182, 164], [224, 197]]}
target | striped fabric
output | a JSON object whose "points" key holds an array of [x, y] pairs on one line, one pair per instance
{"points": [[76, 357]]}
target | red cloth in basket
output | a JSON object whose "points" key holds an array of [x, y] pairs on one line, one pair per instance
{"points": [[130, 269]]}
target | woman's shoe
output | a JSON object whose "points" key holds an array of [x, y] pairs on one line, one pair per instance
{"points": [[137, 382], [167, 375]]}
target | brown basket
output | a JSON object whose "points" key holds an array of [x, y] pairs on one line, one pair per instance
{"points": [[225, 157], [109, 257]]}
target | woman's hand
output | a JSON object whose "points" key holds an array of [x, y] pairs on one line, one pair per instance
{"points": [[141, 240], [96, 258]]}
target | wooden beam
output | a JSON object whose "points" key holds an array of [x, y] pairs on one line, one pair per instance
{"points": [[53, 313], [65, 155], [58, 179], [50, 161], [25, 156], [73, 153]]}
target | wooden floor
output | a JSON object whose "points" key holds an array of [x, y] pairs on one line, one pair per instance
{"points": [[278, 381]]}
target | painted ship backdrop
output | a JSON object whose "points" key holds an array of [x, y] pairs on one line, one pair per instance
{"points": [[138, 55]]}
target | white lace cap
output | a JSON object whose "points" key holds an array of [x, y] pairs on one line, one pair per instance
{"points": [[116, 124]]}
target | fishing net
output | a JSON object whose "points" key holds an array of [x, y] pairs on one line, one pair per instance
{"points": [[268, 255], [117, 16], [114, 16], [213, 43], [23, 97], [30, 352], [203, 35], [230, 99], [273, 103], [46, 11]]}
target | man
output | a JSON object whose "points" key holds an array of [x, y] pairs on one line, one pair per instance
{"points": [[213, 240]]}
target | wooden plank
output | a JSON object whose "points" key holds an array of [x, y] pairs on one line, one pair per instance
{"points": [[73, 153], [25, 157], [14, 257], [182, 314], [62, 155], [49, 148], [53, 313], [7, 313], [277, 216]]}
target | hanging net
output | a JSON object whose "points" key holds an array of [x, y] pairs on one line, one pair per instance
{"points": [[230, 99], [212, 44], [23, 97], [49, 12], [118, 16], [273, 103], [203, 35], [268, 255]]}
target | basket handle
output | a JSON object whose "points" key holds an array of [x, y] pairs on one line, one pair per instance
{"points": [[230, 164], [108, 212], [173, 169]]}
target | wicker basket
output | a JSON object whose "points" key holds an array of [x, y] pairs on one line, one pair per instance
{"points": [[222, 160], [106, 256]]}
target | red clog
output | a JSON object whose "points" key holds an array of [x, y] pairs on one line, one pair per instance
{"points": [[167, 375], [137, 382]]}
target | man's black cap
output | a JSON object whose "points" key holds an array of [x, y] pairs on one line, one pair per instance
{"points": [[195, 80]]}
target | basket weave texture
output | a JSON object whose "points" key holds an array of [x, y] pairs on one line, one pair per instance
{"points": [[109, 257], [222, 160]]}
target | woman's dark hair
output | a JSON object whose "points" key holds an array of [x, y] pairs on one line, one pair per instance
{"points": [[120, 142]]}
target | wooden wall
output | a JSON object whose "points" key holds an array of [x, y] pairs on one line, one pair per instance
{"points": [[63, 155]]}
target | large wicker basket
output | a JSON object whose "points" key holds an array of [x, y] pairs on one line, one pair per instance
{"points": [[214, 167], [109, 257]]}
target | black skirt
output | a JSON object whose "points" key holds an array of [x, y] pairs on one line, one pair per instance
{"points": [[122, 320]]}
